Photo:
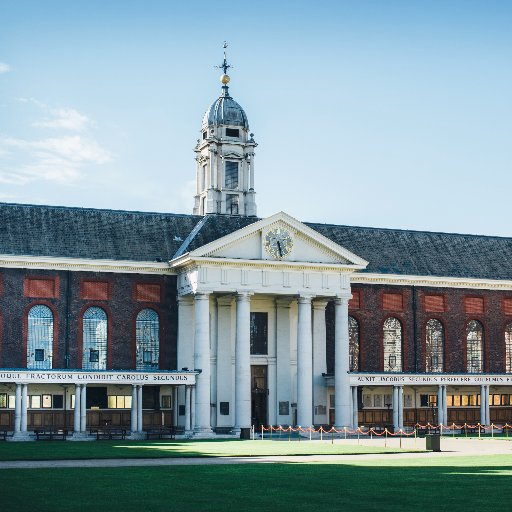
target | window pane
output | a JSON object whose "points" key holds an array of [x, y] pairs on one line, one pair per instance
{"points": [[434, 343], [47, 401], [508, 348], [231, 169], [40, 338], [3, 400], [112, 402], [58, 401], [148, 339], [128, 401], [353, 333], [12, 401], [259, 333], [465, 400], [35, 401], [166, 402], [232, 204], [449, 400], [94, 339], [474, 346], [120, 402], [392, 345]]}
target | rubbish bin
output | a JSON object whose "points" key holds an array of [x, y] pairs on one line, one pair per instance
{"points": [[245, 433], [433, 442]]}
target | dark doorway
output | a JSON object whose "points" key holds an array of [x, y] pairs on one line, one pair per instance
{"points": [[96, 397], [259, 395]]}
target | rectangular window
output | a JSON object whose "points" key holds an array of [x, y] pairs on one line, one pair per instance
{"points": [[224, 408], [58, 401], [432, 400], [34, 401], [39, 354], [456, 401], [392, 301], [507, 306], [145, 292], [355, 301], [465, 400], [41, 288], [377, 401], [3, 400], [166, 401], [12, 401], [147, 356], [232, 204], [449, 400], [231, 175], [259, 333], [47, 401], [94, 356], [232, 132], [205, 134], [434, 303], [423, 400], [474, 305], [94, 290], [472, 400], [367, 401], [119, 401]]}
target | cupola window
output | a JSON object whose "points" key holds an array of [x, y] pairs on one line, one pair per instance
{"points": [[232, 204], [205, 134], [231, 175], [232, 132]]}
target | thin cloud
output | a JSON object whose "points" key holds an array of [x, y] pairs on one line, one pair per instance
{"points": [[4, 68], [64, 118]]}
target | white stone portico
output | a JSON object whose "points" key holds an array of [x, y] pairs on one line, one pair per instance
{"points": [[220, 283]]}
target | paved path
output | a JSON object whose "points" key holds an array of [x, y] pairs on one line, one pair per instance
{"points": [[451, 448]]}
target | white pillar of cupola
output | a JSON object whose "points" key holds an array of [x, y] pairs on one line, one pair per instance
{"points": [[202, 362], [342, 396], [319, 362], [243, 362], [304, 363]]}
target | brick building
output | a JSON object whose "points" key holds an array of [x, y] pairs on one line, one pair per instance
{"points": [[217, 321]]}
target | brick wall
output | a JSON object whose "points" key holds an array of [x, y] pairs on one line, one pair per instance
{"points": [[115, 293], [450, 306]]}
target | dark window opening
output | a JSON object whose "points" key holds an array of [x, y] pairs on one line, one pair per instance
{"points": [[231, 175], [259, 333], [58, 401], [39, 354], [232, 132], [232, 204], [150, 397], [205, 134], [94, 356], [224, 408], [96, 397]]}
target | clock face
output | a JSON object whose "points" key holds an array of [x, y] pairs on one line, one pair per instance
{"points": [[278, 242]]}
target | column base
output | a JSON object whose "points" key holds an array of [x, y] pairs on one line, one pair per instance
{"points": [[137, 436], [203, 433], [22, 437]]}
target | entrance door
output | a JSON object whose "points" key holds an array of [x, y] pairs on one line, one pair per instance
{"points": [[259, 395]]}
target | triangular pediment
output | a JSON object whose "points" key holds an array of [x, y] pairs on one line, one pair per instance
{"points": [[279, 238]]}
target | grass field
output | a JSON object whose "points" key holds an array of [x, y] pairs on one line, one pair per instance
{"points": [[52, 450], [452, 484]]}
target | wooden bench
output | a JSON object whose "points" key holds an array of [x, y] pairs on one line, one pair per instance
{"points": [[110, 433], [161, 433], [51, 434]]}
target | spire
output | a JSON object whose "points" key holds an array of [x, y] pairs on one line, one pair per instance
{"points": [[224, 79]]}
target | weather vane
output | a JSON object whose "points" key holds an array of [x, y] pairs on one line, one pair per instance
{"points": [[224, 66]]}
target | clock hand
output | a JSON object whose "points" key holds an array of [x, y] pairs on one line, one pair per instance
{"points": [[279, 247]]}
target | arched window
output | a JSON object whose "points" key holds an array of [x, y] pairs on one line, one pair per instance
{"points": [[40, 338], [474, 346], [148, 339], [392, 337], [353, 334], [94, 355], [434, 346], [508, 348]]}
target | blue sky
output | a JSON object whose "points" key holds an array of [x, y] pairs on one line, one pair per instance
{"points": [[385, 113]]}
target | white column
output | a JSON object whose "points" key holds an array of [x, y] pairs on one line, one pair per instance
{"points": [[17, 409], [174, 406], [342, 410], [440, 407], [185, 341], [224, 369], [304, 363], [482, 405], [202, 362], [77, 411], [133, 410], [193, 407], [319, 360], [487, 406], [187, 409], [83, 409], [355, 408], [396, 407], [284, 379], [243, 362], [445, 406], [24, 407], [140, 426], [401, 407]]}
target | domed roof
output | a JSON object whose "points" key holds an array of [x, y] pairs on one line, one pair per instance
{"points": [[225, 111]]}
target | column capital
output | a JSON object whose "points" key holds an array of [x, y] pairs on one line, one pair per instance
{"points": [[320, 304], [243, 295], [202, 296], [342, 299], [224, 300], [185, 300], [305, 298], [284, 301]]}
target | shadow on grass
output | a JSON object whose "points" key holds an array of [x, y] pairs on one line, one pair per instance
{"points": [[162, 449], [282, 487]]}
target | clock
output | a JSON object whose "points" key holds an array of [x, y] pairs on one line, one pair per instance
{"points": [[278, 242]]}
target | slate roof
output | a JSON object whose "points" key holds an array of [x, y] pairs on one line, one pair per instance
{"points": [[121, 235]]}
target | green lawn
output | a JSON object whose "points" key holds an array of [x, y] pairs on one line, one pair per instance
{"points": [[451, 484], [51, 450]]}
